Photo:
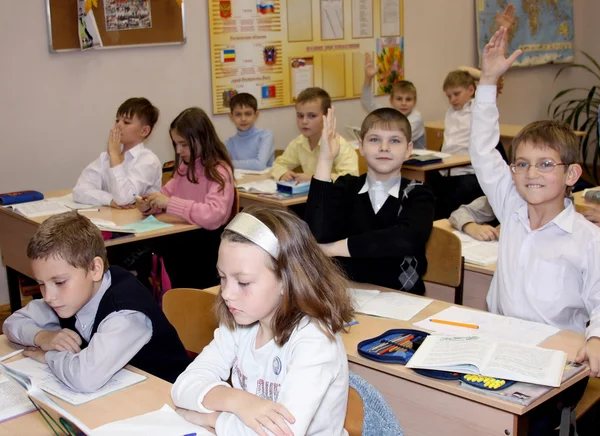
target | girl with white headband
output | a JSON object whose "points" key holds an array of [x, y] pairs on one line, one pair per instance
{"points": [[281, 307]]}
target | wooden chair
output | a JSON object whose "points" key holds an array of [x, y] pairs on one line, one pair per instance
{"points": [[445, 263], [355, 414], [190, 312], [434, 137], [168, 169], [362, 163], [235, 209], [591, 396]]}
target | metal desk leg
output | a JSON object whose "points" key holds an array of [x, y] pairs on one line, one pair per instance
{"points": [[14, 293]]}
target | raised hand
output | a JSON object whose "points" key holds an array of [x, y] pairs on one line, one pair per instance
{"points": [[507, 18], [370, 68], [494, 62], [330, 140]]}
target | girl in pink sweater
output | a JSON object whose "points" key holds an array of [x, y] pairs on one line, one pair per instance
{"points": [[201, 192]]}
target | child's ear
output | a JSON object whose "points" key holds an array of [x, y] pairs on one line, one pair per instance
{"points": [[360, 147], [472, 90], [146, 131], [230, 116], [574, 172], [97, 269], [257, 113], [409, 149]]}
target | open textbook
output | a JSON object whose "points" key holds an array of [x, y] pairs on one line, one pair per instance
{"points": [[38, 395], [479, 355], [48, 206], [388, 304], [41, 376], [482, 253], [267, 186]]}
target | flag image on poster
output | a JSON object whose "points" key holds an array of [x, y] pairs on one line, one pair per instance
{"points": [[228, 55]]}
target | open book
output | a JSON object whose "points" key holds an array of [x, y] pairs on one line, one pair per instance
{"points": [[388, 304], [49, 206], [36, 394], [268, 186], [482, 253], [40, 375], [478, 355]]}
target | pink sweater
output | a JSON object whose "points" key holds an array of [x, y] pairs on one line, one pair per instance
{"points": [[204, 203]]}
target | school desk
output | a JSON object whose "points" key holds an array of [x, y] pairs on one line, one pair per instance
{"points": [[582, 204], [426, 406], [477, 278], [16, 230], [419, 172], [146, 396], [434, 134], [250, 198]]}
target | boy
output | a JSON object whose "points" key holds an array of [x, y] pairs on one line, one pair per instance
{"points": [[126, 168], [311, 105], [250, 148], [93, 320], [402, 98], [376, 224], [547, 267]]}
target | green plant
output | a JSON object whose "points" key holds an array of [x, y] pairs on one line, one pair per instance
{"points": [[581, 113]]}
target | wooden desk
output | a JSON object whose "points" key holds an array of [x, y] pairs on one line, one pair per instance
{"points": [[250, 198], [419, 173], [16, 230], [582, 204], [425, 406], [146, 396]]}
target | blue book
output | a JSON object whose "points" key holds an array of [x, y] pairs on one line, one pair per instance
{"points": [[20, 197]]}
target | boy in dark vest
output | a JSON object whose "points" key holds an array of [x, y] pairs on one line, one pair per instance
{"points": [[93, 320]]}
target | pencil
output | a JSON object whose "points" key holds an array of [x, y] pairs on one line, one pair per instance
{"points": [[456, 324]]}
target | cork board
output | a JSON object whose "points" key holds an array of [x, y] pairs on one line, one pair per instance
{"points": [[167, 26]]}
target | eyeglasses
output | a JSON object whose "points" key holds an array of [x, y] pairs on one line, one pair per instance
{"points": [[545, 166]]}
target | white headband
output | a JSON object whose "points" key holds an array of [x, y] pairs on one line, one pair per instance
{"points": [[256, 231]]}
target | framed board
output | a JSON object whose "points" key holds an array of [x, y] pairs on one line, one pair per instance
{"points": [[273, 49], [166, 25]]}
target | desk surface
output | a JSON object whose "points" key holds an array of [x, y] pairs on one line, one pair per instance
{"points": [[506, 130], [582, 204], [489, 269], [456, 160], [251, 197], [147, 396], [369, 327]]}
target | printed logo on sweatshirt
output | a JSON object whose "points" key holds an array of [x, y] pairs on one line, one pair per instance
{"points": [[276, 365], [267, 390]]}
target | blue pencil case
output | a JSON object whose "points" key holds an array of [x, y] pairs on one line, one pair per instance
{"points": [[402, 344], [20, 197]]}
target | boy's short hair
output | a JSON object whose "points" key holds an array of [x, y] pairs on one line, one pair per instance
{"points": [[142, 108], [404, 87], [311, 94], [69, 236], [386, 118], [555, 135], [459, 78], [243, 99]]}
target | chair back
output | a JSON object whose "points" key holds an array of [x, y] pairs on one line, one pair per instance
{"points": [[190, 311], [168, 169], [235, 209], [362, 163], [355, 414], [445, 263]]}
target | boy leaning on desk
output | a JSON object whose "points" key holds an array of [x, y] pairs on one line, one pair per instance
{"points": [[548, 256], [93, 320]]}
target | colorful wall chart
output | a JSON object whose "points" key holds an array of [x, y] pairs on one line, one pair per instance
{"points": [[273, 49]]}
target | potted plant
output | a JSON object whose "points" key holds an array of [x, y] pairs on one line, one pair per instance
{"points": [[578, 107]]}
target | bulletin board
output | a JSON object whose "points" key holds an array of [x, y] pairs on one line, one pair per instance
{"points": [[167, 26], [273, 49]]}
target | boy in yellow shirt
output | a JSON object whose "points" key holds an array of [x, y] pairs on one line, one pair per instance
{"points": [[311, 105]]}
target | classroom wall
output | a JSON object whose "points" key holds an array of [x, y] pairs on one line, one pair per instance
{"points": [[56, 109]]}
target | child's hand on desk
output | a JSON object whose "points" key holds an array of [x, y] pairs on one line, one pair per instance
{"points": [[482, 232], [590, 352], [592, 215], [142, 204], [302, 177], [494, 63], [117, 206], [257, 413], [35, 353], [207, 420], [290, 175], [156, 200], [61, 340]]}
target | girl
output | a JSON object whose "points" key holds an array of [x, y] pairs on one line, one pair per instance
{"points": [[281, 307], [201, 192]]}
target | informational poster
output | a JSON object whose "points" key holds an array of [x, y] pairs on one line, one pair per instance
{"points": [[127, 14], [89, 37], [274, 49]]}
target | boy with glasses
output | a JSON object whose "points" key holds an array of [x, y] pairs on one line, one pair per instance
{"points": [[548, 255]]}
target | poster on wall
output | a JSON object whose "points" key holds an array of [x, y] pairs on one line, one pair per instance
{"points": [[274, 49], [389, 60], [542, 29], [89, 37], [127, 15]]}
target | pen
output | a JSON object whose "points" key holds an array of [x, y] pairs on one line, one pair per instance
{"points": [[94, 209], [457, 324], [9, 355]]}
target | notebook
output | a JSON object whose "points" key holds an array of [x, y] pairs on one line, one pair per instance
{"points": [[39, 208], [393, 305], [263, 186], [481, 253], [499, 359]]}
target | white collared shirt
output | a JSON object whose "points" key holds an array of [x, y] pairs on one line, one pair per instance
{"points": [[457, 132], [139, 174], [117, 340], [380, 191], [548, 275]]}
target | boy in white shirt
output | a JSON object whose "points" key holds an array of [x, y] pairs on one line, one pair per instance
{"points": [[126, 168], [548, 255], [403, 98]]}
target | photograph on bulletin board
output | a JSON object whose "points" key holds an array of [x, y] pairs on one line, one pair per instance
{"points": [[273, 49]]}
